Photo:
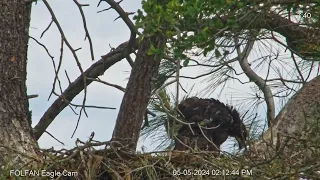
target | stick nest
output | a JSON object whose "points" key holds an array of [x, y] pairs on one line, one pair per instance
{"points": [[110, 160]]}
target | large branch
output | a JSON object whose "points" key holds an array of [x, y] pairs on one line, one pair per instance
{"points": [[254, 77], [97, 69], [138, 92]]}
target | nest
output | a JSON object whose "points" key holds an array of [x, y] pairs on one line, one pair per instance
{"points": [[110, 160], [115, 163]]}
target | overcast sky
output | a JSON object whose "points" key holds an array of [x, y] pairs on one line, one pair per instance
{"points": [[103, 31]]}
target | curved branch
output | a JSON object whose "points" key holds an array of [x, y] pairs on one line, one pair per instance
{"points": [[245, 66], [97, 69]]}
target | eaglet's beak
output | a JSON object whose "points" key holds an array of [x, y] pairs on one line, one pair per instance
{"points": [[205, 122]]}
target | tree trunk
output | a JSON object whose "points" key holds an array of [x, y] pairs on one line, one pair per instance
{"points": [[16, 141], [296, 133], [138, 91]]}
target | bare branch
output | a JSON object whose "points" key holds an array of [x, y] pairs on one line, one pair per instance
{"points": [[73, 51], [91, 106], [42, 46], [65, 71], [56, 71], [297, 68], [108, 84], [32, 96], [97, 69], [47, 28], [243, 61], [85, 27], [54, 137], [124, 16]]}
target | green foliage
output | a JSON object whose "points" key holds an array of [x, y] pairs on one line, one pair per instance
{"points": [[186, 23], [153, 50], [198, 24], [168, 16], [167, 69]]}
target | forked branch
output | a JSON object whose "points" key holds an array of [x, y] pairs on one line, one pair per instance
{"points": [[125, 17], [97, 69], [254, 77]]}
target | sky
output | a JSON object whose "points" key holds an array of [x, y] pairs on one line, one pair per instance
{"points": [[104, 31]]}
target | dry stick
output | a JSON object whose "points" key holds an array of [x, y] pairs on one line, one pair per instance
{"points": [[120, 88], [243, 61], [65, 71], [56, 78], [75, 57], [122, 14], [183, 143], [95, 70], [213, 66], [62, 34], [208, 138], [42, 46], [91, 106], [297, 68], [85, 27], [284, 80], [72, 109], [204, 74], [32, 96], [68, 102], [55, 69], [108, 84], [219, 67], [54, 138], [183, 88], [133, 30], [47, 28]]}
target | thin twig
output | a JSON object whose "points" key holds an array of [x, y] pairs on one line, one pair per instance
{"points": [[85, 27], [73, 53], [95, 70], [54, 137], [47, 28], [133, 30], [32, 96]]}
